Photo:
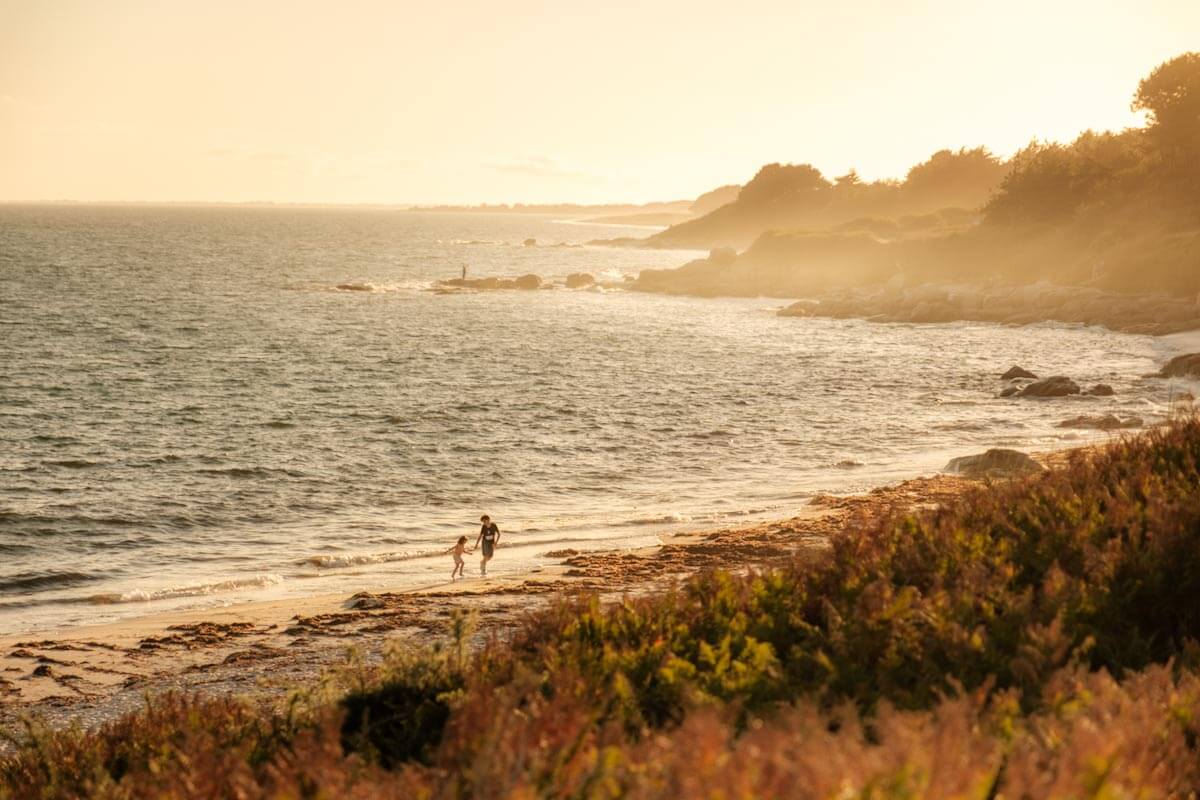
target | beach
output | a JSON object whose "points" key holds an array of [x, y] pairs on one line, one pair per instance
{"points": [[268, 649]]}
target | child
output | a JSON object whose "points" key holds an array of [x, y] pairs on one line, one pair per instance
{"points": [[458, 549]]}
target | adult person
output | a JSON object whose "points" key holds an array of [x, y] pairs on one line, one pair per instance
{"points": [[489, 536]]}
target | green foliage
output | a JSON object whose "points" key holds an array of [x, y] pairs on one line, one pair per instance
{"points": [[1171, 96], [399, 714]]}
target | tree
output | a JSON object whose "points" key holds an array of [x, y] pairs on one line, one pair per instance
{"points": [[1170, 95]]}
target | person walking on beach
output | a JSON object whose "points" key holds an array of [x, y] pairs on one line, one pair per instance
{"points": [[489, 535], [458, 549]]}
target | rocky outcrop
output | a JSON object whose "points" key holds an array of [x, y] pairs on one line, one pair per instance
{"points": [[1187, 366], [892, 301], [1105, 422], [490, 284], [1017, 372], [995, 463], [1057, 386], [578, 280], [1100, 390]]}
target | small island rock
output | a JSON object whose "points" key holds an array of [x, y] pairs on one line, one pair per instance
{"points": [[1018, 372], [1106, 422], [1058, 386], [1186, 366]]}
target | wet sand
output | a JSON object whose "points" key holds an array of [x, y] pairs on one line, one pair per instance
{"points": [[88, 675]]}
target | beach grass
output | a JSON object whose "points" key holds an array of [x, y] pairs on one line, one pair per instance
{"points": [[1035, 638]]}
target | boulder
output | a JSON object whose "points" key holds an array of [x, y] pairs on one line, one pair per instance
{"points": [[1017, 372], [1106, 422], [1058, 386], [530, 242], [995, 463], [577, 280], [528, 282], [1010, 391], [1187, 366], [1100, 390], [365, 600]]}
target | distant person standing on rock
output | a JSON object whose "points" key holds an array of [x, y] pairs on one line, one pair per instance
{"points": [[464, 277], [489, 535]]}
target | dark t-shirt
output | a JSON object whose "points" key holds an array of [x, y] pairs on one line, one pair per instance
{"points": [[490, 532]]}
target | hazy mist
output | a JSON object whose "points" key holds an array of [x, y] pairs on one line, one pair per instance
{"points": [[538, 101]]}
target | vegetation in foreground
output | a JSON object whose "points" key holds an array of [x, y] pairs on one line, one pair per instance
{"points": [[1038, 639]]}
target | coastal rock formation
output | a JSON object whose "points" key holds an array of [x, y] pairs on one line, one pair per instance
{"points": [[1057, 386], [1186, 366], [578, 280], [1017, 372], [1106, 422], [1010, 391], [490, 284], [1153, 315], [995, 463], [1100, 390], [530, 242]]}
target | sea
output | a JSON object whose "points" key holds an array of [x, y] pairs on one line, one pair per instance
{"points": [[201, 406]]}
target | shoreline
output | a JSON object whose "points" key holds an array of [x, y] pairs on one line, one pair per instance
{"points": [[265, 649]]}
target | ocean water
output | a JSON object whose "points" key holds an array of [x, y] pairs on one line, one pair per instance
{"points": [[192, 412]]}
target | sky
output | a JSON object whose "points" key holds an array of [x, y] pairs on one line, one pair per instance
{"points": [[542, 101]]}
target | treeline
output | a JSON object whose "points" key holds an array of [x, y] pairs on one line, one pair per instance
{"points": [[1113, 211], [790, 196]]}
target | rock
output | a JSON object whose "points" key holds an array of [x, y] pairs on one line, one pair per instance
{"points": [[1010, 391], [800, 308], [995, 463], [577, 280], [530, 242], [1100, 390], [1058, 386], [1106, 422], [43, 671], [528, 282], [365, 601], [1017, 372], [1187, 366]]}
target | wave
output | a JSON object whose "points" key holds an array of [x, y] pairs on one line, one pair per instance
{"points": [[194, 590], [73, 463], [336, 561], [32, 581], [382, 288], [665, 519]]}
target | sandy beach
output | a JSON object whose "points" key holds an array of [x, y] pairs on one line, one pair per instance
{"points": [[87, 675]]}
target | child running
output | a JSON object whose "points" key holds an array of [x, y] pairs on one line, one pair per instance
{"points": [[458, 549]]}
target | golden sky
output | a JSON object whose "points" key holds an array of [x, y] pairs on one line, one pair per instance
{"points": [[539, 101]]}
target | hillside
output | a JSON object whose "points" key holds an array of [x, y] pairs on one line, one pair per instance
{"points": [[790, 196], [1114, 212]]}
